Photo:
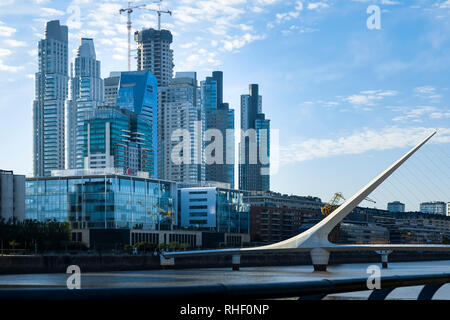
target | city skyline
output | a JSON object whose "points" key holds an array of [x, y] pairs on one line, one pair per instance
{"points": [[362, 134]]}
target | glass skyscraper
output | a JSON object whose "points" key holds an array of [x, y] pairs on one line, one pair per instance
{"points": [[86, 93], [254, 173], [118, 138], [50, 95], [219, 116], [137, 92]]}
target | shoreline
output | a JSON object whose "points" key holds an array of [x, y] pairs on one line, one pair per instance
{"points": [[36, 264]]}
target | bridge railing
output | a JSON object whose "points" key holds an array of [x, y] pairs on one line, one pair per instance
{"points": [[304, 290]]}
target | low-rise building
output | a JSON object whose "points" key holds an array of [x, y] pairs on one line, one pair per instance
{"points": [[102, 199], [214, 209], [396, 206], [434, 207], [276, 217], [12, 195]]}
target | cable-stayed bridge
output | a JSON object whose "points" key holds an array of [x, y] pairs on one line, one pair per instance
{"points": [[315, 240]]}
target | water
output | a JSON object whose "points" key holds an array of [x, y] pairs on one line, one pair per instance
{"points": [[192, 277]]}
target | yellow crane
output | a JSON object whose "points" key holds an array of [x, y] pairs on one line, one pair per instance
{"points": [[333, 204]]}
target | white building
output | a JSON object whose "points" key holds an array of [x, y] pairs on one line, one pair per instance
{"points": [[180, 111]]}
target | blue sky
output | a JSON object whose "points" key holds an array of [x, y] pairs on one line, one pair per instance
{"points": [[347, 100]]}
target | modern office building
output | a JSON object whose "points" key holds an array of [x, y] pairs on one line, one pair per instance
{"points": [[218, 116], [154, 54], [119, 138], [214, 209], [103, 200], [448, 209], [12, 196], [434, 207], [181, 127], [396, 206], [254, 150], [51, 88], [137, 92], [111, 88], [86, 93]]}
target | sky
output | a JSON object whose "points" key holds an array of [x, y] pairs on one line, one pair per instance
{"points": [[347, 100]]}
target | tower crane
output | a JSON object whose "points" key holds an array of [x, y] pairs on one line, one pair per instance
{"points": [[333, 204], [129, 11]]}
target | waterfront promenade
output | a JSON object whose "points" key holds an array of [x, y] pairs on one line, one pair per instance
{"points": [[193, 277]]}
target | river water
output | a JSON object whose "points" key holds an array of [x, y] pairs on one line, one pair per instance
{"points": [[192, 277]]}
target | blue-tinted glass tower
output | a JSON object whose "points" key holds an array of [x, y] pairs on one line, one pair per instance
{"points": [[218, 115], [137, 92], [253, 173]]}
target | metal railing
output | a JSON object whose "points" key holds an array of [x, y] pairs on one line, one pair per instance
{"points": [[305, 290]]}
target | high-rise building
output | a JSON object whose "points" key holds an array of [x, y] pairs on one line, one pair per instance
{"points": [[86, 93], [154, 54], [111, 88], [12, 196], [137, 92], [434, 207], [50, 96], [118, 138], [180, 111], [396, 206], [218, 116], [254, 151]]}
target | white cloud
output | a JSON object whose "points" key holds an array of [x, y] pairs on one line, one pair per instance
{"points": [[15, 43], [237, 42], [317, 5], [7, 68], [416, 114], [445, 4], [360, 142], [425, 90], [369, 97], [50, 12], [6, 31], [5, 52]]}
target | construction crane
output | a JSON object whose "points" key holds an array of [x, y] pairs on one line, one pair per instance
{"points": [[333, 204], [129, 11], [159, 15]]}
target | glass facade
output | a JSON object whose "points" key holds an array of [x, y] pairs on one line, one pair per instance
{"points": [[102, 202], [232, 213], [119, 139], [213, 209]]}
